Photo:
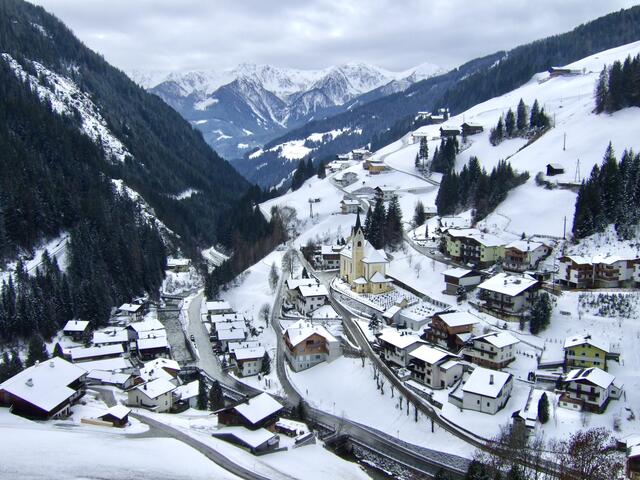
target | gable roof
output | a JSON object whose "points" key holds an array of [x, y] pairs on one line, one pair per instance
{"points": [[75, 326], [218, 305], [498, 339], [152, 342], [479, 382], [129, 307], [302, 329], [147, 325], [156, 388], [248, 353], [117, 411], [111, 336], [258, 408], [293, 283], [45, 385], [524, 245], [457, 319], [397, 339], [460, 272], [313, 290], [587, 339], [430, 355], [80, 353], [592, 375]]}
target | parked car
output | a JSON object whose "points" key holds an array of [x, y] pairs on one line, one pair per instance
{"points": [[193, 339]]}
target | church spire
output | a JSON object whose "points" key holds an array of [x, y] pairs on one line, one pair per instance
{"points": [[358, 225]]}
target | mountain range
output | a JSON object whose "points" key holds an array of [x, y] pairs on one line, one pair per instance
{"points": [[241, 109]]}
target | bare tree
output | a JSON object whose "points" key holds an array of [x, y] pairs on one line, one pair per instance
{"points": [[289, 261], [418, 268], [265, 310], [273, 277], [590, 454]]}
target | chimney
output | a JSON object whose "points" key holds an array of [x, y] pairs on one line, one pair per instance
{"points": [[491, 379], [29, 382], [145, 385], [51, 364]]}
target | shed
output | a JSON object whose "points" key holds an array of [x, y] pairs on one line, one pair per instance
{"points": [[554, 169], [118, 415], [261, 411]]}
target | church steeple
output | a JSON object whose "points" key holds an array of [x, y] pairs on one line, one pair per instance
{"points": [[358, 224]]}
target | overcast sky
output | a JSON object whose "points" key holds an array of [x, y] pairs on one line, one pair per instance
{"points": [[211, 34]]}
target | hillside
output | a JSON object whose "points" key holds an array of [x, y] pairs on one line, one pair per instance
{"points": [[386, 119]]}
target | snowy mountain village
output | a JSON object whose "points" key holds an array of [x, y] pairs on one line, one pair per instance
{"points": [[464, 299]]}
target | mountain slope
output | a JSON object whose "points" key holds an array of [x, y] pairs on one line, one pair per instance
{"points": [[229, 106], [385, 119]]}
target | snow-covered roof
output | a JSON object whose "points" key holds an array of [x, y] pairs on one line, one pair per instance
{"points": [[507, 284], [147, 325], [229, 325], [258, 408], [166, 363], [480, 382], [152, 334], [232, 334], [249, 353], [325, 311], [360, 281], [293, 283], [611, 259], [225, 317], [458, 272], [248, 344], [448, 364], [457, 319], [592, 375], [187, 391], [498, 339], [157, 387], [150, 343], [429, 355], [524, 245], [110, 336], [486, 239], [313, 290], [347, 201], [579, 259], [391, 311], [107, 364], [378, 278], [77, 354], [371, 255], [129, 307], [117, 411], [586, 339], [46, 384], [76, 326], [252, 438], [397, 338], [218, 306], [108, 377], [303, 329], [330, 249], [178, 262]]}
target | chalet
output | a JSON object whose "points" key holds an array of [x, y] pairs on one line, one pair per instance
{"points": [[308, 344], [613, 271], [457, 279], [225, 335], [449, 131], [523, 255], [118, 415], [360, 154], [434, 367], [575, 271], [261, 411], [486, 391], [187, 394], [258, 441], [155, 395], [153, 346], [78, 330], [589, 389], [45, 390], [178, 265], [145, 328], [374, 166], [111, 336], [554, 169], [218, 307], [294, 283], [493, 350], [362, 266], [396, 346], [563, 72], [87, 354], [451, 330], [508, 294], [123, 381], [248, 361], [469, 128], [385, 193], [164, 368], [586, 351], [132, 310], [345, 179], [330, 257], [471, 246], [310, 297], [348, 206]]}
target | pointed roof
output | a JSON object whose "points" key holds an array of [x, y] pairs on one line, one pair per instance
{"points": [[358, 225]]}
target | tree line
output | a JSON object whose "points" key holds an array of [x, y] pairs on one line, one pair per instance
{"points": [[618, 86], [444, 157], [520, 124], [611, 195], [383, 226], [305, 171], [474, 188]]}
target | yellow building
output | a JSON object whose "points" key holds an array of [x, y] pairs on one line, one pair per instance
{"points": [[362, 266], [585, 351]]}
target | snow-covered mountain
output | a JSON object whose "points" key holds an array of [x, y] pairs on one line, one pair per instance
{"points": [[245, 107]]}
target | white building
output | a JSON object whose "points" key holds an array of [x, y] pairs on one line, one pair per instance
{"points": [[508, 294], [522, 255], [248, 361], [434, 367], [294, 283], [155, 395], [348, 206], [396, 346], [330, 257], [589, 389], [456, 278], [308, 344], [310, 297], [164, 368], [494, 350], [187, 394], [486, 391]]}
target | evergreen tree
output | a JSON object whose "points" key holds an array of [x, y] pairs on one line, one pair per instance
{"points": [[393, 225], [510, 123], [299, 176], [616, 87], [202, 395], [419, 215], [322, 170], [216, 397], [543, 408], [497, 134], [540, 313], [377, 225], [266, 364], [416, 162], [37, 350], [522, 117], [477, 471], [424, 151], [602, 91], [535, 113], [366, 229]]}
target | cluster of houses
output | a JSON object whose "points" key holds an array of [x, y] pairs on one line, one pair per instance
{"points": [[230, 334], [441, 115], [612, 271]]}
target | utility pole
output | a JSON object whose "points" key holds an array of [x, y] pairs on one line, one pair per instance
{"points": [[310, 208], [576, 178], [564, 142]]}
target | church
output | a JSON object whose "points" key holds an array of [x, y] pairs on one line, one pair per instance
{"points": [[362, 266]]}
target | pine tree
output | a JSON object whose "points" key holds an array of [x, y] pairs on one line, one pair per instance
{"points": [[322, 170], [616, 87], [393, 225], [266, 364], [497, 134], [510, 123], [216, 397], [424, 151], [416, 162], [535, 114], [543, 408], [522, 119], [202, 395], [37, 350], [477, 471], [419, 215], [366, 229], [377, 226], [602, 91]]}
